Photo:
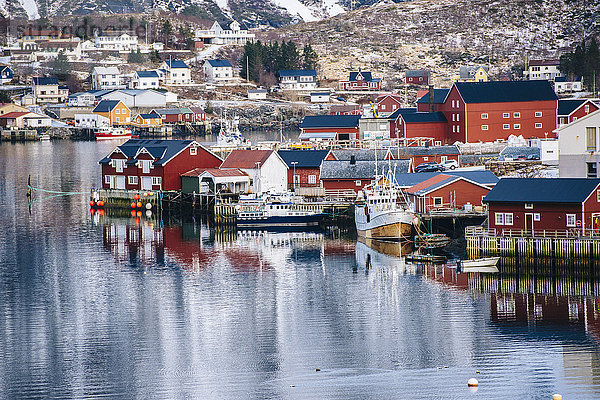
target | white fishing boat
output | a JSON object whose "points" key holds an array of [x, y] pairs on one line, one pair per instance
{"points": [[277, 211], [382, 212], [485, 265], [230, 135], [112, 132]]}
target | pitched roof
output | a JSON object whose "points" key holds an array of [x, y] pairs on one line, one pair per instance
{"points": [[359, 170], [106, 70], [330, 121], [359, 155], [106, 105], [469, 72], [431, 184], [149, 116], [246, 159], [297, 72], [566, 107], [542, 190], [303, 158], [176, 64], [425, 151], [48, 80], [147, 74], [420, 117], [505, 91], [216, 172], [412, 73], [401, 111], [536, 63], [365, 74], [482, 177], [516, 151], [219, 63], [163, 150], [14, 114]]}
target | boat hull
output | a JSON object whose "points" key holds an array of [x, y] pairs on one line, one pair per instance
{"points": [[280, 221], [106, 136], [385, 225]]}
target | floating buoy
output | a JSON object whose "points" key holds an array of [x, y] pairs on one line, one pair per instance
{"points": [[145, 194], [92, 203], [472, 382], [139, 214], [150, 194], [92, 211], [101, 203], [139, 204], [148, 213], [556, 397], [136, 197], [101, 211], [477, 372], [133, 213], [133, 205], [137, 221], [148, 206]]}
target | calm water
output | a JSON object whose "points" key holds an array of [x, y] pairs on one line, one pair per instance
{"points": [[104, 307]]}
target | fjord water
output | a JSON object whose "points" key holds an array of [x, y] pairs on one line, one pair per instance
{"points": [[107, 307]]}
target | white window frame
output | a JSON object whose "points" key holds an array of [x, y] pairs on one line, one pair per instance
{"points": [[484, 127], [132, 180], [598, 195], [529, 206], [538, 114], [438, 143], [156, 181], [517, 126], [312, 179], [536, 217], [506, 126], [571, 220], [118, 111], [538, 125], [517, 115], [107, 179], [437, 201], [193, 151], [505, 115], [484, 116], [499, 218], [508, 219], [358, 182]]}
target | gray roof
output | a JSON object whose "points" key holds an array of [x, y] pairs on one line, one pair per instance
{"points": [[359, 155], [359, 170], [469, 72], [513, 151], [416, 73], [425, 151], [482, 177]]}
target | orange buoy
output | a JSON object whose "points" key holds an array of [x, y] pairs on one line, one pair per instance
{"points": [[136, 197], [133, 205], [101, 211], [133, 213], [137, 221], [139, 214], [145, 194], [101, 203], [92, 211], [92, 203], [139, 204]]}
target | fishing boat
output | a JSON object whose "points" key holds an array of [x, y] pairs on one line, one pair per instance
{"points": [[230, 135], [112, 132], [486, 265], [279, 211], [382, 212]]}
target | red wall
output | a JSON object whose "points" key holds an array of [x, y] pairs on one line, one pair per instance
{"points": [[304, 173], [416, 160], [580, 112], [414, 80], [463, 191], [338, 184], [435, 130], [352, 131], [448, 111], [391, 103]]}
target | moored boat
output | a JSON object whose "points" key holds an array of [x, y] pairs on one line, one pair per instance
{"points": [[277, 212], [486, 265], [112, 132]]}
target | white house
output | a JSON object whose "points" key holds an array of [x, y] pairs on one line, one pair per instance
{"points": [[137, 97], [266, 168], [34, 120], [81, 99], [295, 79], [218, 71], [175, 72], [257, 94], [319, 97], [144, 80], [106, 78], [47, 90], [115, 41], [543, 70], [579, 147], [91, 121], [217, 35], [561, 85]]}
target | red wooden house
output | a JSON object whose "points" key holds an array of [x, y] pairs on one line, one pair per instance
{"points": [[329, 127], [361, 80], [346, 109], [446, 191], [149, 164], [180, 115], [439, 95], [406, 123], [421, 154], [552, 204], [388, 103], [416, 77], [570, 110], [354, 174], [487, 111], [304, 167]]}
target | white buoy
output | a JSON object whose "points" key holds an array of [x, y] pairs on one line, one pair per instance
{"points": [[473, 382], [556, 397], [148, 206]]}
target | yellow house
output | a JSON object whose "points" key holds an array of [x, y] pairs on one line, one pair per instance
{"points": [[147, 120], [6, 108], [476, 73], [117, 112]]}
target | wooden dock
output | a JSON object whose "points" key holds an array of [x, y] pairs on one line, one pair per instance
{"points": [[554, 244], [18, 135]]}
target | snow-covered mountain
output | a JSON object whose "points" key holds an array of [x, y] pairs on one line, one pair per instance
{"points": [[250, 12]]}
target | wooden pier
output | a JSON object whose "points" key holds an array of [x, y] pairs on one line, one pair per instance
{"points": [[20, 135], [554, 244]]}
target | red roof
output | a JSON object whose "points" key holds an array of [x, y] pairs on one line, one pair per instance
{"points": [[216, 172], [246, 159], [14, 114], [429, 182], [197, 110], [536, 63]]}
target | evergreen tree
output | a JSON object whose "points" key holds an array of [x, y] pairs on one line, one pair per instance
{"points": [[60, 66], [167, 30], [135, 57], [309, 57]]}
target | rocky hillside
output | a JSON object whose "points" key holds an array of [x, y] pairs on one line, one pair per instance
{"points": [[442, 35]]}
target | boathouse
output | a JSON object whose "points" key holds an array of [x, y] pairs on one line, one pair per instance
{"points": [[444, 191], [265, 167], [408, 124], [329, 127], [304, 167], [544, 204], [353, 175], [421, 154], [150, 164], [214, 181]]}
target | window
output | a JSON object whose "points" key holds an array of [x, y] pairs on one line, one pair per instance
{"points": [[132, 180], [536, 216], [505, 115], [193, 151], [438, 143], [383, 106], [425, 158], [156, 180], [529, 206], [484, 127], [592, 170], [506, 126], [499, 218], [571, 222], [452, 103], [598, 196], [508, 219], [517, 126], [517, 115], [437, 201], [118, 111], [590, 133], [453, 128], [453, 118], [145, 164], [458, 129], [312, 179], [484, 116], [457, 117], [586, 108], [538, 124], [107, 179], [357, 183], [538, 114], [118, 165]]}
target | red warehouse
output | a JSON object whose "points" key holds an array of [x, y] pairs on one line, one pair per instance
{"points": [[354, 175], [180, 115], [417, 77], [338, 127], [304, 167], [439, 95], [417, 125], [149, 164], [572, 109], [487, 111], [421, 154], [446, 191], [552, 204]]}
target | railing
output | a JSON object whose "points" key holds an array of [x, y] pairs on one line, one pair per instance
{"points": [[538, 233]]}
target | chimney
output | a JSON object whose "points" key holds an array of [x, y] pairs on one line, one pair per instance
{"points": [[352, 159], [431, 98]]}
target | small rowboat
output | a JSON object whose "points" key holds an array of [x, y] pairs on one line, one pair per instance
{"points": [[426, 258], [486, 265], [432, 240]]}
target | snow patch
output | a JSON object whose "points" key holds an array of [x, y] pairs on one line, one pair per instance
{"points": [[295, 7], [31, 8], [333, 8]]}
